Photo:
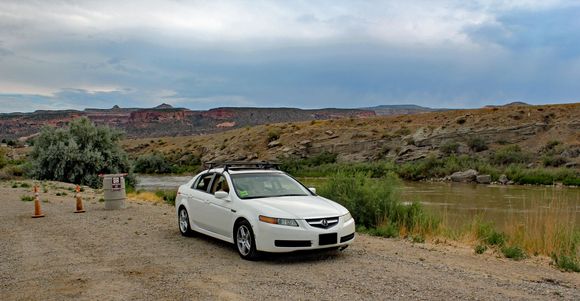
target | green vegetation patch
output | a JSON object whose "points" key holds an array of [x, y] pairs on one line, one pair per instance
{"points": [[513, 252], [26, 198]]}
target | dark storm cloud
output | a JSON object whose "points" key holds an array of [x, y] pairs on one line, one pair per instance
{"points": [[56, 55]]}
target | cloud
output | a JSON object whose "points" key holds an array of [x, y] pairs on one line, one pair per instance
{"points": [[301, 53]]}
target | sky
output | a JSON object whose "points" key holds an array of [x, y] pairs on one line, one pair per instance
{"points": [[306, 54]]}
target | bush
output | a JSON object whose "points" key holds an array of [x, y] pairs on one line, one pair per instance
{"points": [[79, 153], [152, 163], [480, 249], [566, 263], [3, 160], [510, 155], [26, 198], [553, 160], [322, 158], [477, 144], [273, 135], [387, 230], [550, 146], [168, 196], [449, 147], [373, 203], [488, 235], [513, 252]]}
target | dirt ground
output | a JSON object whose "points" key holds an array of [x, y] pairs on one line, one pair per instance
{"points": [[138, 254]]}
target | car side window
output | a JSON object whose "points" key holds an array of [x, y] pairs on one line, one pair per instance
{"points": [[203, 182], [220, 184]]}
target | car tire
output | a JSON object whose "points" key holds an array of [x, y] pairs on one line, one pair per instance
{"points": [[245, 242], [183, 222]]}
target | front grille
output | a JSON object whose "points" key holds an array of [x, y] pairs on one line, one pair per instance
{"points": [[324, 223], [347, 237], [292, 243]]}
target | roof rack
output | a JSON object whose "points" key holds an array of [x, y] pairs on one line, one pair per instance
{"points": [[238, 165]]}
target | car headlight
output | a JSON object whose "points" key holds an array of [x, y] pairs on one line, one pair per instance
{"points": [[278, 221], [347, 217]]}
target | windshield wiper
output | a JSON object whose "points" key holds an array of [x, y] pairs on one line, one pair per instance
{"points": [[293, 194]]}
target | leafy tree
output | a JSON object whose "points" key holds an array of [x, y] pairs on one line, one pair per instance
{"points": [[79, 153]]}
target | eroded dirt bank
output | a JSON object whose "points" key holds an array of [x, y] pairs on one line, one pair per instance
{"points": [[138, 254]]}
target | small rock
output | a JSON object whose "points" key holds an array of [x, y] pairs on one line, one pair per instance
{"points": [[306, 142], [483, 179], [503, 179], [464, 176], [274, 143], [510, 182], [571, 165], [329, 133]]}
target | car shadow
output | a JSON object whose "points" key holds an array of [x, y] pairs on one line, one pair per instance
{"points": [[295, 257]]}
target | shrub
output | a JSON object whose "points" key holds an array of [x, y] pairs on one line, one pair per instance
{"points": [[373, 203], [480, 249], [3, 160], [477, 144], [368, 201], [488, 235], [550, 146], [513, 252], [24, 185], [553, 160], [168, 196], [387, 230], [273, 134], [79, 153], [510, 155], [152, 163], [449, 147], [26, 198], [566, 263], [322, 158]]}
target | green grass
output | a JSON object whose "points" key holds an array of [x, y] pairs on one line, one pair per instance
{"points": [[566, 263], [374, 203], [168, 196], [26, 198], [480, 249], [323, 165], [513, 252]]}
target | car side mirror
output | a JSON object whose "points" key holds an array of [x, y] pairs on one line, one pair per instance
{"points": [[221, 194], [312, 189]]}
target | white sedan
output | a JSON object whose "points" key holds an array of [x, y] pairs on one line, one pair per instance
{"points": [[258, 208]]}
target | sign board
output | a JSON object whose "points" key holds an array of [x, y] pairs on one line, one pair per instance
{"points": [[116, 183]]}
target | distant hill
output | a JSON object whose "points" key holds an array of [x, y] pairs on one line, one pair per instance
{"points": [[384, 110], [511, 104], [165, 120], [400, 138]]}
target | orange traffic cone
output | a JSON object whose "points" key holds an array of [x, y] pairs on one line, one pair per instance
{"points": [[37, 209], [80, 208]]}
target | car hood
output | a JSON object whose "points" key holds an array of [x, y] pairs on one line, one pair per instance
{"points": [[298, 207]]}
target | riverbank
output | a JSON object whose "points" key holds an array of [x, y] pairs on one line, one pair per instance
{"points": [[121, 255]]}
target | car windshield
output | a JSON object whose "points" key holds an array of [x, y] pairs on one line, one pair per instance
{"points": [[263, 185]]}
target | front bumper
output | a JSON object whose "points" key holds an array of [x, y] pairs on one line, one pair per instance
{"points": [[278, 239]]}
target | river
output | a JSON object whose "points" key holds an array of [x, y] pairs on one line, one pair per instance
{"points": [[457, 203]]}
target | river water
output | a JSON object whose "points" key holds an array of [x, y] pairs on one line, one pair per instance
{"points": [[457, 203]]}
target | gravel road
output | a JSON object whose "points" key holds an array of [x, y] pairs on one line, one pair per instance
{"points": [[138, 254]]}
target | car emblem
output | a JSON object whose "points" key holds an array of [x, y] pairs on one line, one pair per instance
{"points": [[324, 222]]}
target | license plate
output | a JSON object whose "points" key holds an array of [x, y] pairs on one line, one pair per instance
{"points": [[328, 239]]}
